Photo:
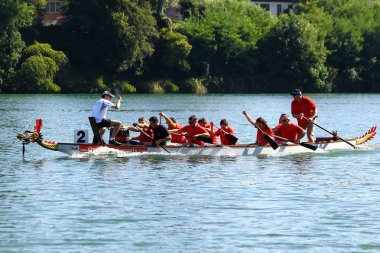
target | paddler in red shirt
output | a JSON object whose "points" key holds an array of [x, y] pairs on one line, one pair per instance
{"points": [[173, 125], [288, 130], [260, 122], [225, 128], [144, 126], [192, 131], [305, 111], [209, 128]]}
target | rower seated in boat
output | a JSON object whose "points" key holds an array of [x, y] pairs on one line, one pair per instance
{"points": [[193, 132], [174, 125], [161, 133], [265, 129], [122, 135], [146, 133], [225, 130], [210, 129], [288, 130]]}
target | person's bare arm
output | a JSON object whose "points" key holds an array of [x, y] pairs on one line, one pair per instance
{"points": [[167, 119], [249, 118], [118, 103]]}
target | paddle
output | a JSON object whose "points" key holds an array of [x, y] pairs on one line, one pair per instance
{"points": [[199, 138], [231, 138], [309, 146], [150, 137], [269, 139], [352, 145]]}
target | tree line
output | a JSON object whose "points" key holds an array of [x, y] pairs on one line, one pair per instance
{"points": [[226, 46]]}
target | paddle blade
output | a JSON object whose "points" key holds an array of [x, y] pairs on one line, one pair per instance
{"points": [[205, 139], [309, 146], [271, 142], [231, 138], [164, 148]]}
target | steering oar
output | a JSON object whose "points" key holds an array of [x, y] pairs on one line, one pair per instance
{"points": [[335, 135]]}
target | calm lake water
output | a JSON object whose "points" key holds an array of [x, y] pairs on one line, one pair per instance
{"points": [[322, 202]]}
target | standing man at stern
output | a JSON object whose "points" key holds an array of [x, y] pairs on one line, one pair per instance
{"points": [[99, 111], [305, 111]]}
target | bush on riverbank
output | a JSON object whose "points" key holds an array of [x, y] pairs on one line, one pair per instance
{"points": [[40, 66]]}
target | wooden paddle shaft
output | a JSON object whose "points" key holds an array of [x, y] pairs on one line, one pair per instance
{"points": [[142, 131], [333, 134], [271, 142], [259, 128], [232, 138], [306, 145]]}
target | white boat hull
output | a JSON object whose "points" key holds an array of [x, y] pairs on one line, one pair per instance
{"points": [[236, 150], [323, 144]]}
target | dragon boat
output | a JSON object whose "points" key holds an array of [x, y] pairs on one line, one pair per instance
{"points": [[321, 144]]}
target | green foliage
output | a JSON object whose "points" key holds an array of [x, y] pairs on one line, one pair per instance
{"points": [[196, 86], [40, 65], [169, 86], [221, 46], [174, 50], [124, 86], [109, 38], [343, 24], [154, 87], [164, 22], [11, 46], [36, 75], [293, 55], [14, 15], [370, 62], [223, 37], [100, 84], [191, 8], [160, 86], [44, 49]]}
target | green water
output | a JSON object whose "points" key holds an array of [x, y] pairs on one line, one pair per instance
{"points": [[52, 202]]}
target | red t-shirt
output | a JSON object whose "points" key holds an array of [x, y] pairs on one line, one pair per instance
{"points": [[143, 137], [306, 106], [290, 131], [260, 139], [191, 131], [223, 138], [176, 138], [213, 136]]}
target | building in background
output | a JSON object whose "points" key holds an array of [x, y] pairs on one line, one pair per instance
{"points": [[277, 7], [53, 13]]}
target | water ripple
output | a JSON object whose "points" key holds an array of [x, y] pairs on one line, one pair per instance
{"points": [[119, 202]]}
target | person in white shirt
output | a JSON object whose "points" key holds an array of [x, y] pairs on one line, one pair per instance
{"points": [[99, 111]]}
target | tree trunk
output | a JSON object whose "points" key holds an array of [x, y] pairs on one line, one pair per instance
{"points": [[160, 6]]}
